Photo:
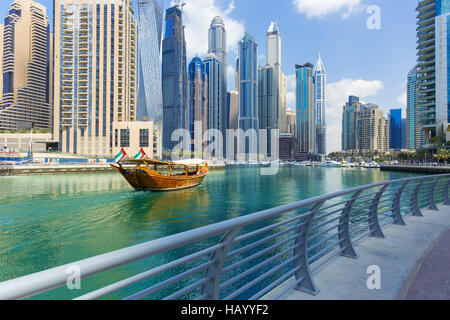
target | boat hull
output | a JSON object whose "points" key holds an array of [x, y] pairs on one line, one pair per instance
{"points": [[142, 180]]}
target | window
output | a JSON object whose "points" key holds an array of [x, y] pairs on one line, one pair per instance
{"points": [[124, 138], [144, 138]]}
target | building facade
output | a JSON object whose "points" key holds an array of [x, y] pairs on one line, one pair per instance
{"points": [[213, 69], [26, 62], [198, 98], [305, 128], [373, 129], [217, 45], [414, 132], [290, 119], [274, 60], [150, 23], [395, 129], [433, 32], [248, 92], [320, 102], [95, 67], [233, 110], [174, 77], [268, 99], [350, 123]]}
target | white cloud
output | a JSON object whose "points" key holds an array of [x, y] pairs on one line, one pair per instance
{"points": [[321, 8], [290, 91], [402, 99], [337, 95], [197, 17]]}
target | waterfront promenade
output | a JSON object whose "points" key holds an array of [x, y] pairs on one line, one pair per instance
{"points": [[414, 262]]}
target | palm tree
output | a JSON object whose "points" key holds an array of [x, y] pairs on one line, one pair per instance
{"points": [[442, 155]]}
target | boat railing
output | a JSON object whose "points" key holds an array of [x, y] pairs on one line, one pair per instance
{"points": [[245, 257]]}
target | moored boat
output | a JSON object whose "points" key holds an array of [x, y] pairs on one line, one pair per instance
{"points": [[155, 175]]}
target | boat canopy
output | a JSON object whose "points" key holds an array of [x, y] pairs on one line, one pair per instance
{"points": [[190, 162], [186, 163]]}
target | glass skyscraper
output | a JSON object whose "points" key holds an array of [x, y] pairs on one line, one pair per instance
{"points": [[433, 70], [395, 129], [320, 102], [174, 77], [217, 45], [198, 98], [213, 69], [150, 19], [248, 90], [305, 108], [414, 133]]}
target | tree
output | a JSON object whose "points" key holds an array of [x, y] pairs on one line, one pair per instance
{"points": [[442, 155]]}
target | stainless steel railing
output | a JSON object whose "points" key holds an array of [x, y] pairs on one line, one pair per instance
{"points": [[247, 257]]}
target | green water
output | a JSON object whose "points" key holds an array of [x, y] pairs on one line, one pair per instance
{"points": [[47, 221]]}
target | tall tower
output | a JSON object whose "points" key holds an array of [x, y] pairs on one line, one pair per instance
{"points": [[214, 71], [174, 77], [414, 134], [433, 100], [320, 101], [217, 45], [305, 108], [26, 67], [248, 91], [94, 74], [274, 60], [198, 97], [150, 18], [395, 129]]}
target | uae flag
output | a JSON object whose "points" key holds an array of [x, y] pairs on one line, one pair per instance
{"points": [[120, 155], [141, 154]]}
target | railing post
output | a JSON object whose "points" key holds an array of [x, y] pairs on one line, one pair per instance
{"points": [[432, 205], [301, 243], [212, 288], [396, 209], [345, 240], [445, 195], [375, 229], [415, 210]]}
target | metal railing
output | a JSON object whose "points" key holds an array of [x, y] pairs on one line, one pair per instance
{"points": [[246, 257]]}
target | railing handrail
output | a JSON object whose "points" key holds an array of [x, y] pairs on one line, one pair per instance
{"points": [[39, 282]]}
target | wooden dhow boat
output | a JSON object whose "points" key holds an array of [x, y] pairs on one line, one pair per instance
{"points": [[153, 175]]}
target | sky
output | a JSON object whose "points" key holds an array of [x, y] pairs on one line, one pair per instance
{"points": [[360, 60]]}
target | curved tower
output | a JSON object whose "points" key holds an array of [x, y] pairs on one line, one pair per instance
{"points": [[150, 101]]}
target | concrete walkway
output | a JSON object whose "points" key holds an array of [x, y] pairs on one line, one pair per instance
{"points": [[414, 263]]}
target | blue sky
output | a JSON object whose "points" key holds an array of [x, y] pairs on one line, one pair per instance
{"points": [[371, 63]]}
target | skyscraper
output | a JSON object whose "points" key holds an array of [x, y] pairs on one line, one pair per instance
{"points": [[433, 32], [150, 19], [364, 127], [94, 75], [373, 129], [217, 45], [395, 129], [350, 123], [198, 97], [268, 110], [305, 108], [414, 133], [26, 58], [320, 102], [274, 60], [248, 91], [174, 76], [213, 69]]}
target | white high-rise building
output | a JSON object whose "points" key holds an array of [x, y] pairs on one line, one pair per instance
{"points": [[320, 102], [274, 60]]}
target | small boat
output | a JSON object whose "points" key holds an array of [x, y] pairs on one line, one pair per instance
{"points": [[331, 164], [147, 174]]}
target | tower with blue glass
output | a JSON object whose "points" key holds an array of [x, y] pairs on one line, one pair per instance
{"points": [[174, 77], [395, 129], [305, 108]]}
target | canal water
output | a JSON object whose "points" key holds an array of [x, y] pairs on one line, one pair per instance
{"points": [[47, 221]]}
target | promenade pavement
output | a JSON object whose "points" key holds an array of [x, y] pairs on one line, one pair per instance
{"points": [[413, 260]]}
